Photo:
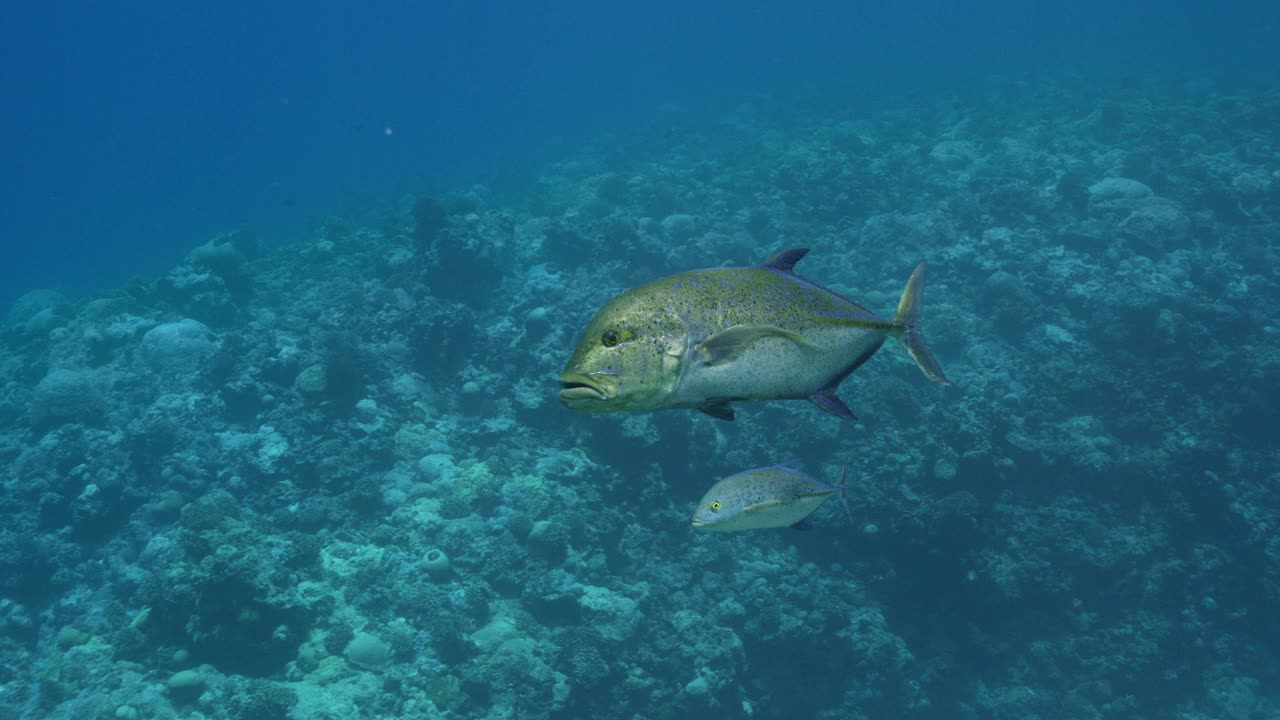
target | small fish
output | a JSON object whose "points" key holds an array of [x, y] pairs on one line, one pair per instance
{"points": [[706, 339], [767, 497]]}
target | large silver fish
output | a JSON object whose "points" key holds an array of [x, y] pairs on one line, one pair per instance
{"points": [[705, 339]]}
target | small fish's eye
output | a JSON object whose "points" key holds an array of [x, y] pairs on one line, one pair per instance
{"points": [[610, 338], [715, 506]]}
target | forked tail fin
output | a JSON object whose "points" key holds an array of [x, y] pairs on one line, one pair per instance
{"points": [[844, 492], [909, 332]]}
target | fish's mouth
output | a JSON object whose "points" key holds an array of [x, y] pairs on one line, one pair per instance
{"points": [[577, 387], [699, 523]]}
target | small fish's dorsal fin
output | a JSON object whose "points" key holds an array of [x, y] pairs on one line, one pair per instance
{"points": [[785, 260], [793, 463]]}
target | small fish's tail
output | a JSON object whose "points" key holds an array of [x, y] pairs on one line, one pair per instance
{"points": [[909, 333], [844, 492]]}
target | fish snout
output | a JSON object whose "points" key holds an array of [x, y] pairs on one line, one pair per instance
{"points": [[712, 526], [583, 387]]}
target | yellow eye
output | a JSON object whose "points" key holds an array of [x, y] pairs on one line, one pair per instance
{"points": [[715, 506], [610, 338]]}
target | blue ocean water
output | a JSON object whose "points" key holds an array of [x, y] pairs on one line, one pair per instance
{"points": [[133, 132], [288, 288]]}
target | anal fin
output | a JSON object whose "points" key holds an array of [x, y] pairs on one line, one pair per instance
{"points": [[719, 409], [827, 400]]}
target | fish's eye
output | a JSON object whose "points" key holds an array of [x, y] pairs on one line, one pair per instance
{"points": [[715, 506], [610, 338]]}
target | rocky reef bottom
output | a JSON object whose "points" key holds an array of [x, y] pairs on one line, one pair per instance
{"points": [[332, 480]]}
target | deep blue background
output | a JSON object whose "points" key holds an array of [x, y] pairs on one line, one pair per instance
{"points": [[133, 131]]}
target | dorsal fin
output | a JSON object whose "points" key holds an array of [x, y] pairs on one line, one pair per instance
{"points": [[793, 463], [786, 259]]}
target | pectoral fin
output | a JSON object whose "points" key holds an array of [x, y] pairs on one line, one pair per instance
{"points": [[726, 345], [761, 505]]}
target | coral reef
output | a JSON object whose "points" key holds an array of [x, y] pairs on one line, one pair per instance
{"points": [[332, 479]]}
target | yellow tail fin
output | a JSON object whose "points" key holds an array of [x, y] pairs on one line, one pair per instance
{"points": [[909, 332]]}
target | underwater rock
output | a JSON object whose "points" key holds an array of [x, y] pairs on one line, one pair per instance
{"points": [[267, 700], [66, 395], [470, 256], [311, 381], [613, 615], [34, 310], [178, 347], [1118, 190], [954, 154], [223, 254], [368, 652], [548, 539], [1116, 194], [429, 218], [1157, 224], [186, 685], [679, 227], [1088, 519]]}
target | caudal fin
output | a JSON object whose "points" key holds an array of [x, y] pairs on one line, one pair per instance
{"points": [[844, 492], [909, 332]]}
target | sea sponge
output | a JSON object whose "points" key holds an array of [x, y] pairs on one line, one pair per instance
{"points": [[436, 562]]}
